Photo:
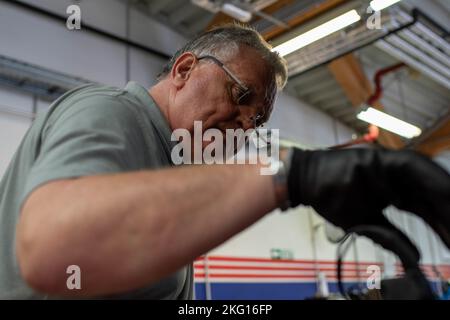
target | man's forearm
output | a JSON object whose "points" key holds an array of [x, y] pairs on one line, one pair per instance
{"points": [[126, 231]]}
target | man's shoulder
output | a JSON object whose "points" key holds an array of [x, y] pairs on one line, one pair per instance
{"points": [[93, 101], [95, 95]]}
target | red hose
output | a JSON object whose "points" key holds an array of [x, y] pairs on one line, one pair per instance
{"points": [[378, 77], [369, 137]]}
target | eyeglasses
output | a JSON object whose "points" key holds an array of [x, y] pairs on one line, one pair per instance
{"points": [[239, 93]]}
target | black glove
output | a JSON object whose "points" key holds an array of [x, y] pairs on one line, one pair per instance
{"points": [[351, 187]]}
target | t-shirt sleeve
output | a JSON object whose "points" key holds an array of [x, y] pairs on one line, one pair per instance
{"points": [[97, 135]]}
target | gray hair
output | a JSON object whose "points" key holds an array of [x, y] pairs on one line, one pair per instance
{"points": [[224, 42]]}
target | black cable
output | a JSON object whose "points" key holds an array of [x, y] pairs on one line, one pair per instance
{"points": [[340, 255], [398, 245]]}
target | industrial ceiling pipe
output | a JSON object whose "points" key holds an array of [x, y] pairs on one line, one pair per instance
{"points": [[419, 66]]}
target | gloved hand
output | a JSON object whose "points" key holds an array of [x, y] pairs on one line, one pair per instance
{"points": [[351, 187]]}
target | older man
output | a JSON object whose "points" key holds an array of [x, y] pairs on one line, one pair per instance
{"points": [[91, 183]]}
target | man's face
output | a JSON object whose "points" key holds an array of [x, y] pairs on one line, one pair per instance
{"points": [[207, 93]]}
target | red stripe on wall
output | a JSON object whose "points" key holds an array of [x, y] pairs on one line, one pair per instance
{"points": [[273, 276], [242, 259], [200, 260], [351, 268], [226, 267]]}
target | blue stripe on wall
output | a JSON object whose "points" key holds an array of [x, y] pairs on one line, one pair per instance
{"points": [[266, 291], [261, 291]]}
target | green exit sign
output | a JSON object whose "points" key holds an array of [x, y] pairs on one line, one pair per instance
{"points": [[278, 254]]}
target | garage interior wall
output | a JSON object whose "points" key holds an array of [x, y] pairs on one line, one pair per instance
{"points": [[299, 233]]}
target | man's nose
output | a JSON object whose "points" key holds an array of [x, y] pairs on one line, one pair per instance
{"points": [[244, 119], [245, 123]]}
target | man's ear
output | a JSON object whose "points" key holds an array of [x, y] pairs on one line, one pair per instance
{"points": [[182, 68]]}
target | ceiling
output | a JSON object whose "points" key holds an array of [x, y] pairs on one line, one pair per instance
{"points": [[407, 95], [181, 15], [190, 19], [413, 96]]}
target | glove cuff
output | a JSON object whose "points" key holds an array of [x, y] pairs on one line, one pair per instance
{"points": [[297, 176]]}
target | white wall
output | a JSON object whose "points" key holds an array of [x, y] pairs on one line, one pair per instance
{"points": [[305, 124], [48, 43]]}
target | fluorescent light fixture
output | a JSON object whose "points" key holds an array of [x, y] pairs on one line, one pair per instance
{"points": [[236, 12], [385, 121], [318, 33], [378, 5]]}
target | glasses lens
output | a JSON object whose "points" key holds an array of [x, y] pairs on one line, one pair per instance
{"points": [[243, 96]]}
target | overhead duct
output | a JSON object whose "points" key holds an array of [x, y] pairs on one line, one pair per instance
{"points": [[400, 54], [36, 80], [421, 48]]}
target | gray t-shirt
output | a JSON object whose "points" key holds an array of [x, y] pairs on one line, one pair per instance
{"points": [[90, 130]]}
